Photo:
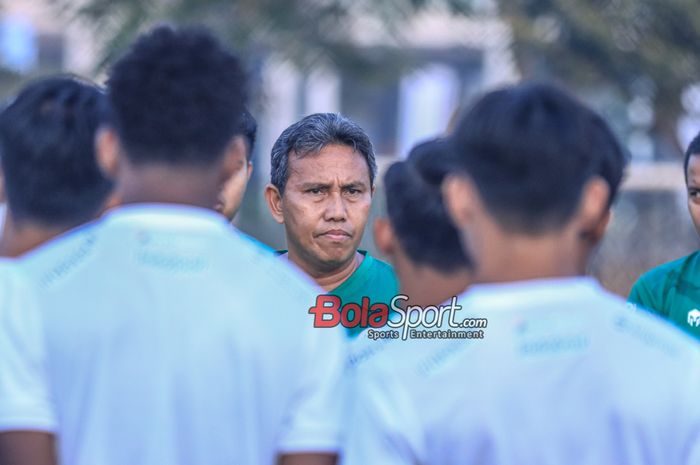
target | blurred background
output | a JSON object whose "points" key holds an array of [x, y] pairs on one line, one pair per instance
{"points": [[403, 68]]}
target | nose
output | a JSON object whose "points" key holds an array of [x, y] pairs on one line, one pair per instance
{"points": [[336, 209]]}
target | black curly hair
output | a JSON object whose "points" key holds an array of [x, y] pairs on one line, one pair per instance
{"points": [[177, 97]]}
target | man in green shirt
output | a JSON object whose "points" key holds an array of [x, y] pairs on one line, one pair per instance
{"points": [[672, 290], [322, 181]]}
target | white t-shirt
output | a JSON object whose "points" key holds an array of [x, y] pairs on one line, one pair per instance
{"points": [[565, 374], [160, 336]]}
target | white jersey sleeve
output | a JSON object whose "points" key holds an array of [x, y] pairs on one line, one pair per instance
{"points": [[314, 420], [687, 421], [25, 399]]}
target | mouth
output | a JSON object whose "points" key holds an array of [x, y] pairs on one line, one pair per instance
{"points": [[336, 235]]}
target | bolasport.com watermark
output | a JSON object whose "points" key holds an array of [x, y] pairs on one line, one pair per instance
{"points": [[395, 322]]}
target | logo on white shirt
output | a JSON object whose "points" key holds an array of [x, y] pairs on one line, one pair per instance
{"points": [[694, 317]]}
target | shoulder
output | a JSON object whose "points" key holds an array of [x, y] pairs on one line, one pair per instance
{"points": [[60, 256], [651, 290], [380, 268], [256, 242], [645, 332], [670, 270]]}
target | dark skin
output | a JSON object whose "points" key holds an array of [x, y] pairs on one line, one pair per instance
{"points": [[308, 459], [18, 239], [693, 187], [155, 183], [27, 448]]}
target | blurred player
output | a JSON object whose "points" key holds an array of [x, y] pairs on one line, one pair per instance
{"points": [[231, 195], [149, 341], [322, 181], [565, 373], [234, 188], [672, 290], [52, 181], [417, 236]]}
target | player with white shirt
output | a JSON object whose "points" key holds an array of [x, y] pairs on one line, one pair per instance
{"points": [[565, 372], [49, 172], [159, 335]]}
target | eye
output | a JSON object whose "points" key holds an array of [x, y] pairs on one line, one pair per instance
{"points": [[693, 193], [315, 191], [353, 191]]}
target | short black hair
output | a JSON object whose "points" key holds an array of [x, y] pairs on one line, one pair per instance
{"points": [[417, 212], [692, 150], [177, 97], [530, 149], [310, 135], [47, 147], [249, 130]]}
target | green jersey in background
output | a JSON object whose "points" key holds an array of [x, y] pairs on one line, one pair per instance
{"points": [[672, 290], [373, 279]]}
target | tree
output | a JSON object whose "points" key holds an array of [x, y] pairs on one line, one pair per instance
{"points": [[641, 47], [305, 31], [638, 47]]}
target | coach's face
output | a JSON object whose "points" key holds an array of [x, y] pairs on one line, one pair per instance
{"points": [[325, 205], [693, 185]]}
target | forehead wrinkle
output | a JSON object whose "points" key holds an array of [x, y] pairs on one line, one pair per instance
{"points": [[333, 163]]}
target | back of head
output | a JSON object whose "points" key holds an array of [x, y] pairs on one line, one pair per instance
{"points": [[249, 129], [416, 210], [177, 98], [530, 149], [47, 138]]}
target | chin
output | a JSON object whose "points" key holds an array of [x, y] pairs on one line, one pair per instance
{"points": [[336, 256]]}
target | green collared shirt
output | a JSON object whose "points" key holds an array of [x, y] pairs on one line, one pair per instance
{"points": [[373, 279], [672, 290]]}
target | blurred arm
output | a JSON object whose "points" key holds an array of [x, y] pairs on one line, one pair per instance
{"points": [[306, 459], [27, 448]]}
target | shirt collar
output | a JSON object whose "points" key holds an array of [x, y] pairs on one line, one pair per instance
{"points": [[522, 293], [164, 214]]}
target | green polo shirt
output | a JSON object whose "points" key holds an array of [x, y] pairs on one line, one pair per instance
{"points": [[374, 279], [672, 290]]}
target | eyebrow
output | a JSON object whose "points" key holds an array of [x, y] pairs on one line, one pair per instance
{"points": [[322, 185], [354, 184], [315, 185]]}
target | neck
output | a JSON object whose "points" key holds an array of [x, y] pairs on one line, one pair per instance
{"points": [[515, 257], [425, 286], [328, 279], [17, 239], [159, 184]]}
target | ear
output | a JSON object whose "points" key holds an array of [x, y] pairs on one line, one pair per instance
{"points": [[108, 151], [250, 171], [594, 214], [384, 237], [274, 202], [602, 226], [234, 158], [460, 196]]}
